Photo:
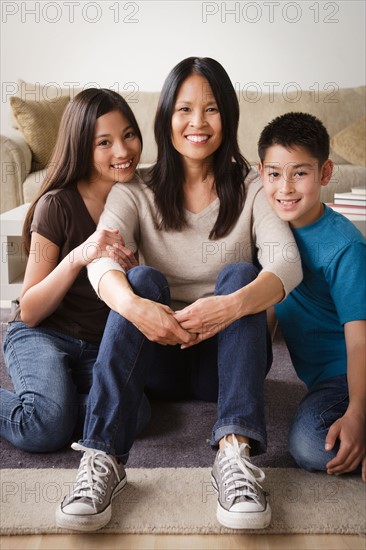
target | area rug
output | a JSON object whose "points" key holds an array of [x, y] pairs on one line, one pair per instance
{"points": [[179, 432], [182, 501], [169, 489]]}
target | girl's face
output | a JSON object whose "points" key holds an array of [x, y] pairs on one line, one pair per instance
{"points": [[116, 148], [196, 121]]}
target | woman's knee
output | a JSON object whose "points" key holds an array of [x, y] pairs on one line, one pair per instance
{"points": [[149, 283], [235, 276]]}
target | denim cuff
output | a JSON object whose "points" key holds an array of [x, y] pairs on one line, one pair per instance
{"points": [[97, 446], [258, 441]]}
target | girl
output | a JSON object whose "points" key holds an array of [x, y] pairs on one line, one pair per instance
{"points": [[52, 344], [193, 323]]}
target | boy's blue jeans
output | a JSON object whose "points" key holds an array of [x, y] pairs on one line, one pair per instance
{"points": [[52, 374], [320, 408], [230, 367]]}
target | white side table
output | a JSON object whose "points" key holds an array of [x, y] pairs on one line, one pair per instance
{"points": [[13, 257]]}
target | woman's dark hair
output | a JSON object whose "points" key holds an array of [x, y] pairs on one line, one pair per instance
{"points": [[71, 160], [229, 166]]}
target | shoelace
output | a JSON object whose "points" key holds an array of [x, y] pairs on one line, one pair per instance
{"points": [[239, 475], [92, 474]]}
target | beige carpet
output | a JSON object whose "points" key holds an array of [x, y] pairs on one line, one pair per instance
{"points": [[182, 500]]}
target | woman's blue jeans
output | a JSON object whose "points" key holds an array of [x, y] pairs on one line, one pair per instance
{"points": [[230, 368], [52, 374], [320, 408]]}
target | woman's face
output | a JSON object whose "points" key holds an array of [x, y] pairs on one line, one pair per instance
{"points": [[196, 121], [116, 148]]}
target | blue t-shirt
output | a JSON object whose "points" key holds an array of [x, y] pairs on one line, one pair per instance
{"points": [[332, 293]]}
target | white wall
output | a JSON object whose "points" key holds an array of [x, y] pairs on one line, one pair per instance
{"points": [[113, 43]]}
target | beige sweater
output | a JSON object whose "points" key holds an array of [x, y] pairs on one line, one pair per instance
{"points": [[189, 260]]}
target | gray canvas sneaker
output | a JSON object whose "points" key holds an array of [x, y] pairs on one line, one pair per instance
{"points": [[88, 507], [242, 503]]}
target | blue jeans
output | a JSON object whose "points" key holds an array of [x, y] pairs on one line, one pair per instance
{"points": [[230, 368], [52, 374], [320, 408]]}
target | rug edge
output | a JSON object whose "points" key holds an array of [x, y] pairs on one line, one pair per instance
{"points": [[358, 528]]}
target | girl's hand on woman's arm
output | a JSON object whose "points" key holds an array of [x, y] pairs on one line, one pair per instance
{"points": [[96, 246], [123, 255]]}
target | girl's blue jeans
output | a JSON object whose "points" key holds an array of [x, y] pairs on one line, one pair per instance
{"points": [[52, 374], [230, 368]]}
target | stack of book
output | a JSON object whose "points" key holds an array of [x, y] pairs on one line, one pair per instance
{"points": [[352, 205]]}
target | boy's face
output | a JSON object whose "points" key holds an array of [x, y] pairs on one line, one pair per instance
{"points": [[292, 181]]}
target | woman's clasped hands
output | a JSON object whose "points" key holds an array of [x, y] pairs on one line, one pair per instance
{"points": [[159, 323], [207, 317]]}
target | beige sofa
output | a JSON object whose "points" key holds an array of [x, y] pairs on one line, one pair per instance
{"points": [[38, 110]]}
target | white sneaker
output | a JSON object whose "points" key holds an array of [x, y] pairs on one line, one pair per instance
{"points": [[242, 503], [99, 479]]}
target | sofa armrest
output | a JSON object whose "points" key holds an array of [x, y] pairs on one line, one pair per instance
{"points": [[16, 162]]}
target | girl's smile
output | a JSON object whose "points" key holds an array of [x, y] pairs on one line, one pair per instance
{"points": [[117, 148]]}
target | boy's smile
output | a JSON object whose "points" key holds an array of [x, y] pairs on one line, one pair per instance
{"points": [[292, 181]]}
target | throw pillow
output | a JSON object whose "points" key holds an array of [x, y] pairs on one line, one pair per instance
{"points": [[350, 143], [39, 121]]}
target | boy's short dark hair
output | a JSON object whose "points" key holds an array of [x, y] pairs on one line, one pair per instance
{"points": [[296, 130]]}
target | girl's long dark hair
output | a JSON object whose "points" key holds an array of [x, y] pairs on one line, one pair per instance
{"points": [[72, 156], [229, 166]]}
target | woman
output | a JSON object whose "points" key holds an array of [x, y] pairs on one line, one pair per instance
{"points": [[193, 323], [52, 344]]}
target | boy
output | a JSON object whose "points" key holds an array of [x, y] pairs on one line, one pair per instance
{"points": [[323, 319]]}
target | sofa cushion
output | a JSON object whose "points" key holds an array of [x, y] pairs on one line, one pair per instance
{"points": [[38, 92], [336, 108], [39, 121], [143, 105], [350, 143]]}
